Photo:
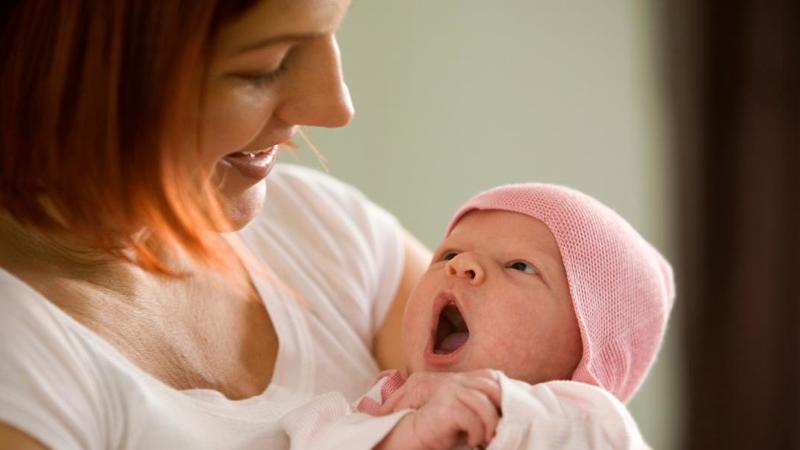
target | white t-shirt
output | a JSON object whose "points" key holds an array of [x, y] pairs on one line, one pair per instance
{"points": [[326, 243]]}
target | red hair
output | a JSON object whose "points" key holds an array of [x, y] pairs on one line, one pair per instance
{"points": [[94, 95]]}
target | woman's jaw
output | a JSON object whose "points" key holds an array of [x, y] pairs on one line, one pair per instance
{"points": [[239, 181]]}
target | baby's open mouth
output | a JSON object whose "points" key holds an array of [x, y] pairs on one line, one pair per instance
{"points": [[451, 331]]}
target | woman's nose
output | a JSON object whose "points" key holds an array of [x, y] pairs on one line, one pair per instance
{"points": [[466, 265], [318, 95]]}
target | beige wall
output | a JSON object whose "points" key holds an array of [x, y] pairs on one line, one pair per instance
{"points": [[454, 96]]}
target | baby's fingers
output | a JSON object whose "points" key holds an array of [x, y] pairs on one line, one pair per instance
{"points": [[470, 424], [489, 385], [480, 405]]}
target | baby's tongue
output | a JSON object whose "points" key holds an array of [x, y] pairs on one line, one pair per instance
{"points": [[453, 341]]}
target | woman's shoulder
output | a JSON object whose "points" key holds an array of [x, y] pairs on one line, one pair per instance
{"points": [[47, 371], [34, 331], [22, 309]]}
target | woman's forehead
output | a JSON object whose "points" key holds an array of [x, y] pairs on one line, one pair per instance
{"points": [[269, 19]]}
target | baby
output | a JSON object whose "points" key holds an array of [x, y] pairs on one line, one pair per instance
{"points": [[545, 285]]}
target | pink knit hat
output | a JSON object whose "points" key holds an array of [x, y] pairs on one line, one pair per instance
{"points": [[622, 288]]}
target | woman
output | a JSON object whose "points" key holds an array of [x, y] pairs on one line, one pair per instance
{"points": [[134, 134]]}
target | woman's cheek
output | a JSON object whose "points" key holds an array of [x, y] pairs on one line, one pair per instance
{"points": [[234, 120]]}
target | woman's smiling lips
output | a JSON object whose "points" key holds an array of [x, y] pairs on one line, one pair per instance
{"points": [[256, 165]]}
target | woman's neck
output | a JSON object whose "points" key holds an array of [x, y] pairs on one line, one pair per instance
{"points": [[39, 258], [27, 251]]}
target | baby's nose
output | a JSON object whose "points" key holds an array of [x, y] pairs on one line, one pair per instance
{"points": [[466, 266]]}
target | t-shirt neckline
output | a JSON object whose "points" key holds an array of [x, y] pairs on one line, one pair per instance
{"points": [[290, 328]]}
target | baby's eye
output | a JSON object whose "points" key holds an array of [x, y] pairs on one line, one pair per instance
{"points": [[522, 266], [448, 255]]}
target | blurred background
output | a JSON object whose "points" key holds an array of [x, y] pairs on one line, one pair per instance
{"points": [[682, 116]]}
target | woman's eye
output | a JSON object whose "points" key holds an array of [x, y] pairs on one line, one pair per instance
{"points": [[522, 266], [263, 79]]}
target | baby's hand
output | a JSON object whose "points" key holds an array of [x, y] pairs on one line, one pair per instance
{"points": [[450, 407], [454, 414], [419, 387]]}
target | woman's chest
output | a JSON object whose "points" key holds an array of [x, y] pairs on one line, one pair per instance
{"points": [[198, 338], [230, 347], [226, 345]]}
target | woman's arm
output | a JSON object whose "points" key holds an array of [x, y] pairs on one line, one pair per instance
{"points": [[12, 438], [387, 346], [562, 415]]}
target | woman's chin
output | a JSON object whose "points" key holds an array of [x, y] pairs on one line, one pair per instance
{"points": [[242, 206]]}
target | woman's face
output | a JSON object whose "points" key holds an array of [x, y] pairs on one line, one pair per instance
{"points": [[273, 69]]}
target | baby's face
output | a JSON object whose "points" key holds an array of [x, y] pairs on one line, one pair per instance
{"points": [[495, 296]]}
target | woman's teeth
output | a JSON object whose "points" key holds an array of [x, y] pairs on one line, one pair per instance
{"points": [[253, 154], [257, 154]]}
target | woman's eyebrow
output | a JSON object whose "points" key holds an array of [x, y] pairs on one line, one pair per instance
{"points": [[278, 39]]}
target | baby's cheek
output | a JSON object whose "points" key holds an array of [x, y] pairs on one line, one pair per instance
{"points": [[512, 348], [412, 340], [503, 354]]}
